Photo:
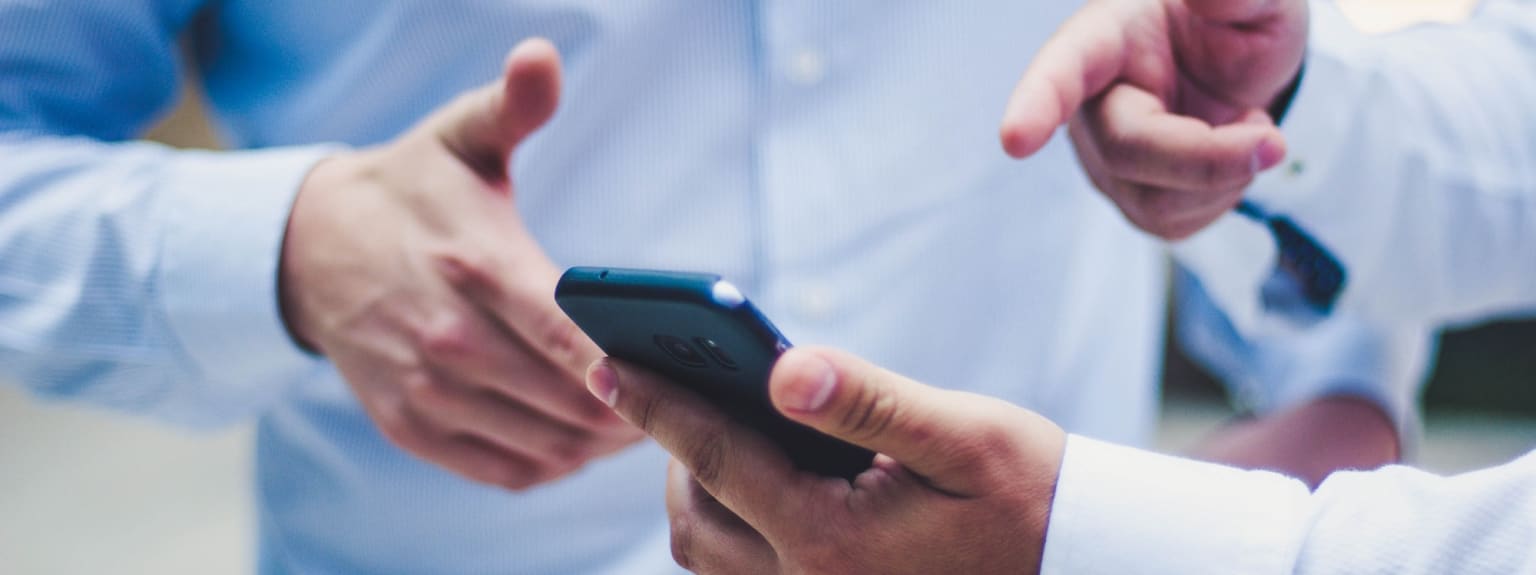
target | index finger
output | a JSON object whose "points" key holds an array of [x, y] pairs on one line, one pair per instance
{"points": [[706, 536], [741, 468], [524, 302], [1080, 60]]}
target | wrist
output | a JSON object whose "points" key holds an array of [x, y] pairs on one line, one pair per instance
{"points": [[1040, 488], [304, 220]]}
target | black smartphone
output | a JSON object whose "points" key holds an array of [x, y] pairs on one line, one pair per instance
{"points": [[700, 331]]}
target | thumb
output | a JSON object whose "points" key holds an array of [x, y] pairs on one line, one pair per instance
{"points": [[951, 439], [484, 126]]}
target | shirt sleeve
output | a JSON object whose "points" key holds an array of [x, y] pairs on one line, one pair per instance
{"points": [[1411, 161], [1341, 355], [132, 275], [1121, 510]]}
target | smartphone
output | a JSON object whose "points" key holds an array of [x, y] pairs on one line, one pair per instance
{"points": [[700, 331]]}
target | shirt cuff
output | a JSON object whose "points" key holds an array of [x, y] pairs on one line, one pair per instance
{"points": [[1122, 510], [225, 216]]}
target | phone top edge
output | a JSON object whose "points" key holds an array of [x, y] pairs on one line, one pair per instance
{"points": [[701, 288], [649, 284], [726, 294]]}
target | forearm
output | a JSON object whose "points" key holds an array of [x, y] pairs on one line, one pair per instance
{"points": [[1339, 395], [1309, 441], [143, 278]]}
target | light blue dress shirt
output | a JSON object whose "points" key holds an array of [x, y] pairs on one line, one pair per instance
{"points": [[838, 160]]}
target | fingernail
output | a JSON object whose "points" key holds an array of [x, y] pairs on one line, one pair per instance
{"points": [[1270, 153], [810, 391], [603, 382]]}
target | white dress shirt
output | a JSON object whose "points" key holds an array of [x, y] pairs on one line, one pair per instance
{"points": [[1414, 161]]}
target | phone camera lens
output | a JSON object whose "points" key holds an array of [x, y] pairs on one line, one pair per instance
{"points": [[714, 350], [680, 351]]}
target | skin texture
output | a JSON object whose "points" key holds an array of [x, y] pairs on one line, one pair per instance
{"points": [[1166, 100], [963, 484], [409, 267]]}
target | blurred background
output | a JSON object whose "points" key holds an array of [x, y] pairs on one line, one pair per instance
{"points": [[86, 492]]}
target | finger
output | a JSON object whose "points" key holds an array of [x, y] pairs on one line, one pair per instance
{"points": [[524, 303], [484, 126], [469, 457], [1173, 214], [738, 466], [471, 347], [555, 447], [707, 537], [1157, 211], [1075, 64], [947, 437], [1140, 141]]}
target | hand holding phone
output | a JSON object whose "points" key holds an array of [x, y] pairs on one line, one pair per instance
{"points": [[700, 331]]}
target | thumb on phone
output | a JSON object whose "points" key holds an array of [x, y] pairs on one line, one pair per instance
{"points": [[954, 440]]}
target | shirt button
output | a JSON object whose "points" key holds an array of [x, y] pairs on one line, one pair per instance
{"points": [[815, 303], [1296, 169], [807, 67]]}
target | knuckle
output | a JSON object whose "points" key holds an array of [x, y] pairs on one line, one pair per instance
{"points": [[1219, 170], [450, 336], [422, 392], [992, 439], [1155, 211], [1119, 155], [492, 473], [521, 482], [1160, 228], [1212, 171], [570, 453], [682, 531], [706, 458], [513, 475], [1179, 233], [562, 339], [1133, 215], [466, 268], [395, 425], [595, 416], [645, 413], [547, 472], [1158, 204], [871, 413]]}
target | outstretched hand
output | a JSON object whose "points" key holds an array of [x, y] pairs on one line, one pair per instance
{"points": [[1168, 101], [408, 265]]}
